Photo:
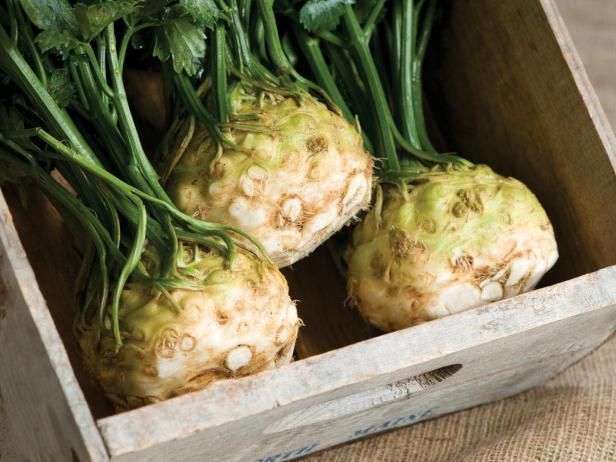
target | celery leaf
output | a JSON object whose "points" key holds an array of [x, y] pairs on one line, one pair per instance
{"points": [[322, 15]]}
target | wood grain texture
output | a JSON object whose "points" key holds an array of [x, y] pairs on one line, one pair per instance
{"points": [[55, 269], [47, 414], [592, 24]]}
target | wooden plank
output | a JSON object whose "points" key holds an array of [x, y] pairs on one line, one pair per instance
{"points": [[537, 327], [56, 283], [578, 71], [47, 413], [510, 91]]}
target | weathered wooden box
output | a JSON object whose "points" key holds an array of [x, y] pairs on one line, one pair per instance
{"points": [[510, 91]]}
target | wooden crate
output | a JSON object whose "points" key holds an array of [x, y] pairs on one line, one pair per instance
{"points": [[508, 90]]}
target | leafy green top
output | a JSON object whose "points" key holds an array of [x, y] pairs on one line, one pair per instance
{"points": [[369, 55], [178, 26], [322, 15], [63, 107]]}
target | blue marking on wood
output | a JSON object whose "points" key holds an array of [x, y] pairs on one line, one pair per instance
{"points": [[287, 455], [398, 422], [388, 424]]}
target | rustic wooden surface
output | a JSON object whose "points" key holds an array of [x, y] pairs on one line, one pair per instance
{"points": [[270, 402], [592, 25], [38, 391], [321, 297], [56, 285]]}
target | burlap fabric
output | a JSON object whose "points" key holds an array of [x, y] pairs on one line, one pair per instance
{"points": [[572, 417]]}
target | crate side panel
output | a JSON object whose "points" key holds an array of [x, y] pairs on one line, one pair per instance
{"points": [[490, 371], [509, 90], [46, 410], [357, 368], [56, 282]]}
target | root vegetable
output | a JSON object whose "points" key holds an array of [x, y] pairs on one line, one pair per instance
{"points": [[166, 303], [443, 235], [459, 239], [291, 184], [239, 322], [260, 151]]}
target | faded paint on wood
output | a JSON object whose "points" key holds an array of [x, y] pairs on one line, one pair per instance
{"points": [[355, 403]]}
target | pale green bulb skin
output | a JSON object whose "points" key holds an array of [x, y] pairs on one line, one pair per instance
{"points": [[460, 239], [241, 321], [291, 184]]}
